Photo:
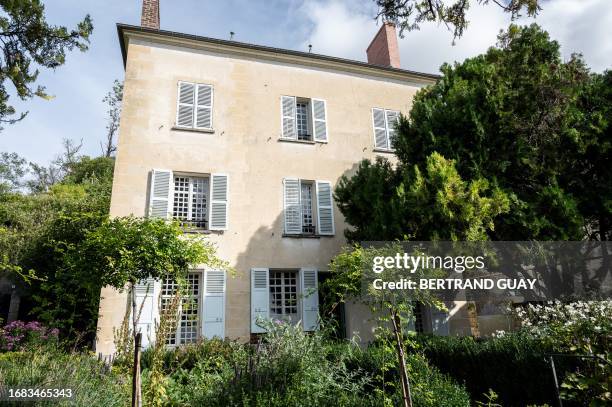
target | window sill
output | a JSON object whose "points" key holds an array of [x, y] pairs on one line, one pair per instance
{"points": [[287, 140], [192, 130], [197, 231], [384, 150], [306, 236]]}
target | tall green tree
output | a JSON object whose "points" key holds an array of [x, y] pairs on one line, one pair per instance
{"points": [[28, 42], [411, 14], [518, 119]]}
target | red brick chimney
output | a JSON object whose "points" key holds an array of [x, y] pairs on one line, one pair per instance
{"points": [[150, 14], [383, 49]]}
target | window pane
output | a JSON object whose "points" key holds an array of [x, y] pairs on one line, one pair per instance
{"points": [[307, 213], [301, 115], [189, 313], [284, 295], [191, 201]]}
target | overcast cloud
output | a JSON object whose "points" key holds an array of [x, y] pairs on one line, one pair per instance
{"points": [[334, 27]]}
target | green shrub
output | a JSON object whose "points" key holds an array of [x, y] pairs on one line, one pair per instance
{"points": [[90, 380], [292, 368], [513, 365]]}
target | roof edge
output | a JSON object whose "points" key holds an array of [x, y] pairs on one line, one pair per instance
{"points": [[122, 29]]}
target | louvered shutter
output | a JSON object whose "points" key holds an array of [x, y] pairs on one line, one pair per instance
{"points": [[319, 118], [325, 208], [186, 102], [260, 298], [288, 117], [439, 322], [219, 190], [292, 208], [147, 309], [213, 304], [310, 298], [160, 198], [380, 128], [392, 118], [204, 107]]}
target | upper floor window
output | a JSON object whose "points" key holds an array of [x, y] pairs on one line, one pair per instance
{"points": [[384, 122], [194, 106], [308, 207], [303, 119], [196, 201], [191, 201]]}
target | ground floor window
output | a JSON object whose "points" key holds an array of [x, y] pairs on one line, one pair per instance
{"points": [[284, 295], [188, 322]]}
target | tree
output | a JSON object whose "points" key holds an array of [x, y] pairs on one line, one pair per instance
{"points": [[410, 14], [516, 119], [12, 169], [29, 41], [113, 100]]}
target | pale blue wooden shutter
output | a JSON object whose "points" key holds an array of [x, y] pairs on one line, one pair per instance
{"points": [[204, 107], [219, 199], [319, 120], [380, 128], [310, 299], [185, 104], [147, 309], [325, 208], [292, 209], [213, 304], [260, 297], [392, 118], [289, 130], [160, 198]]}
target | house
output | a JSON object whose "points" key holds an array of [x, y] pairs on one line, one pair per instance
{"points": [[245, 143]]}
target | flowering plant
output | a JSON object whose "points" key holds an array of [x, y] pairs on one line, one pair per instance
{"points": [[582, 331], [17, 335]]}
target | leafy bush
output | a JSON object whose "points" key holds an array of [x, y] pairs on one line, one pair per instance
{"points": [[513, 365], [18, 335], [47, 367], [291, 368]]}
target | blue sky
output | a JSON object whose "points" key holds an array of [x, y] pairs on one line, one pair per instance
{"points": [[334, 27]]}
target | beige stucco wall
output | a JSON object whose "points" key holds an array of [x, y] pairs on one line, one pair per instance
{"points": [[245, 145]]}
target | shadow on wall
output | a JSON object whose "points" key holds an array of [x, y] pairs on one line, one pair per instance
{"points": [[269, 248]]}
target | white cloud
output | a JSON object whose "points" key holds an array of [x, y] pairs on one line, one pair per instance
{"points": [[344, 28]]}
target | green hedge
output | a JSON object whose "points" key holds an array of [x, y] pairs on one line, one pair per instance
{"points": [[513, 365]]}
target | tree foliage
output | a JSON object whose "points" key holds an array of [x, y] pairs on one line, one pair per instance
{"points": [[526, 132], [410, 14], [28, 42]]}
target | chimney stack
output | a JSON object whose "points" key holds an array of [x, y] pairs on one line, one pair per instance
{"points": [[150, 14], [383, 49]]}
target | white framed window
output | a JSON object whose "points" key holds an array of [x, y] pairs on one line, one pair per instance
{"points": [[189, 313], [284, 295], [303, 119], [198, 201], [190, 206], [194, 106], [308, 207], [384, 122], [288, 295]]}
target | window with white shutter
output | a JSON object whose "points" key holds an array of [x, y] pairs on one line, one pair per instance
{"points": [[213, 320], [303, 119], [325, 208], [146, 293], [160, 197], [384, 122], [219, 193], [194, 106], [260, 297], [304, 202], [309, 298]]}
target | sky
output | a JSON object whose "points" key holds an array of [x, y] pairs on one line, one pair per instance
{"points": [[342, 28]]}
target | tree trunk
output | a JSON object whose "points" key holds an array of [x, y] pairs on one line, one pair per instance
{"points": [[395, 319], [136, 388]]}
